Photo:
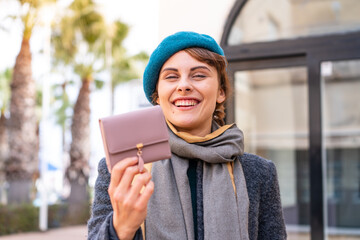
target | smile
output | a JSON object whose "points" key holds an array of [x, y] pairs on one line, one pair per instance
{"points": [[186, 102]]}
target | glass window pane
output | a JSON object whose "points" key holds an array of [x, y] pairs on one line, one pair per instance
{"points": [[270, 20], [341, 124], [271, 107]]}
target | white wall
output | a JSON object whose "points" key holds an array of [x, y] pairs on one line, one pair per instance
{"points": [[203, 16]]}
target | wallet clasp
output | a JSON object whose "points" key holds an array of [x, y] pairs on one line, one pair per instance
{"points": [[139, 146]]}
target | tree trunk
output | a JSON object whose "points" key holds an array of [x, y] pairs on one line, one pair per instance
{"points": [[22, 163], [78, 171]]}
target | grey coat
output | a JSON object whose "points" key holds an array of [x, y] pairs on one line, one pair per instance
{"points": [[266, 220]]}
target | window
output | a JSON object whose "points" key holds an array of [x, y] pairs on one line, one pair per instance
{"points": [[269, 20], [271, 109], [341, 121]]}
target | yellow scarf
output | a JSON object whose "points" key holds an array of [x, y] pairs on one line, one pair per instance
{"points": [[195, 139]]}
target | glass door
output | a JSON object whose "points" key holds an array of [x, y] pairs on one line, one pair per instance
{"points": [[271, 107], [341, 142]]}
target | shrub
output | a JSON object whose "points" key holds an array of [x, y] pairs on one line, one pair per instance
{"points": [[18, 218], [25, 217]]}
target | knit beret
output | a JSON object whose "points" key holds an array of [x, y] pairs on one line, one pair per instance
{"points": [[168, 47]]}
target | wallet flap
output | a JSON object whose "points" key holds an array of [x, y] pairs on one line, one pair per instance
{"points": [[123, 131]]}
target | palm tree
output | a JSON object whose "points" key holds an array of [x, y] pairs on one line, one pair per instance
{"points": [[22, 163], [79, 41], [83, 27]]}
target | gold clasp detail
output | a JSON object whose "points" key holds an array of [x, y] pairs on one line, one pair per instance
{"points": [[139, 146]]}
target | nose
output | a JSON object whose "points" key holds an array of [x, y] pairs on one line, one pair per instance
{"points": [[184, 85]]}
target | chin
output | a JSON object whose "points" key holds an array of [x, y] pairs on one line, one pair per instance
{"points": [[183, 123]]}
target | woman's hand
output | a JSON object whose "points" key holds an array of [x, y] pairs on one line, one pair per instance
{"points": [[129, 196]]}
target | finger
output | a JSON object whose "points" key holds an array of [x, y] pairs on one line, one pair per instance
{"points": [[139, 182], [121, 192], [118, 171], [146, 194], [127, 178]]}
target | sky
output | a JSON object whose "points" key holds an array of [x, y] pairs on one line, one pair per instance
{"points": [[143, 23], [142, 17]]}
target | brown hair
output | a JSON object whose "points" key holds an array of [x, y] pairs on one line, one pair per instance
{"points": [[220, 63]]}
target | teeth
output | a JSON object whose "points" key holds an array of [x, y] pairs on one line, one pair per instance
{"points": [[185, 103]]}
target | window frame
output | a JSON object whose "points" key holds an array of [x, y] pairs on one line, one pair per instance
{"points": [[305, 51]]}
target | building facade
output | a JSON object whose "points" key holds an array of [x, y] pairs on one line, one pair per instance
{"points": [[295, 69]]}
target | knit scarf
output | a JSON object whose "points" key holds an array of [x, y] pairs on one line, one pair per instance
{"points": [[225, 212]]}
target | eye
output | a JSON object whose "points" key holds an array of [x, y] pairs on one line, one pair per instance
{"points": [[199, 76], [171, 76]]}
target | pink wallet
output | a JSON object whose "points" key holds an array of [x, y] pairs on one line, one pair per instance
{"points": [[141, 133]]}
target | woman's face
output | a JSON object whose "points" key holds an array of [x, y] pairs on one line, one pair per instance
{"points": [[188, 91]]}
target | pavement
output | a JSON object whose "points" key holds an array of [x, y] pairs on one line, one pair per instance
{"points": [[68, 233], [80, 232]]}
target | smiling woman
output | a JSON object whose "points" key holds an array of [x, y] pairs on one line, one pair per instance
{"points": [[209, 188], [188, 91]]}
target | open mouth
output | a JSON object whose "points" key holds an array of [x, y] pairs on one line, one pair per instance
{"points": [[186, 102]]}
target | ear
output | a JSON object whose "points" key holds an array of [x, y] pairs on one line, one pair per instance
{"points": [[157, 100], [221, 96]]}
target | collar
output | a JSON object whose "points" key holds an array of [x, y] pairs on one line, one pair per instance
{"points": [[195, 139]]}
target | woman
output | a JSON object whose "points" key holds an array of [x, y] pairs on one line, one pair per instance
{"points": [[210, 188]]}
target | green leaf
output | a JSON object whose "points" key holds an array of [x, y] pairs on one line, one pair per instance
{"points": [[99, 83], [141, 56]]}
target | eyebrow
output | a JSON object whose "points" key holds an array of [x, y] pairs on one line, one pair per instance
{"points": [[192, 69], [200, 67], [169, 69]]}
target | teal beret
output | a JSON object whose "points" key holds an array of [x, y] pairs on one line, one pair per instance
{"points": [[168, 47]]}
